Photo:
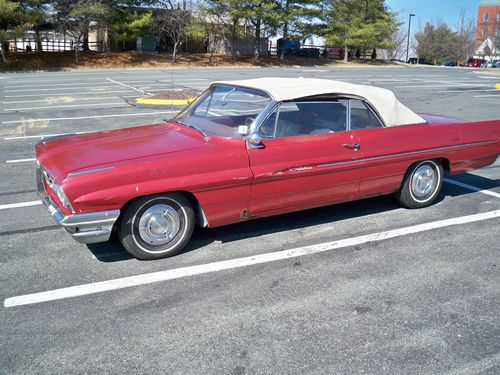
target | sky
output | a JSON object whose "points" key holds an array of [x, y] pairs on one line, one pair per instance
{"points": [[433, 10]]}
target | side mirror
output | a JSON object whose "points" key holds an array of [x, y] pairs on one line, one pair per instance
{"points": [[255, 140]]}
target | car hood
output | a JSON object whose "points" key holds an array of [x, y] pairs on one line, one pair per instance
{"points": [[78, 153]]}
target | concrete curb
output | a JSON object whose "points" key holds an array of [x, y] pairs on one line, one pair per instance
{"points": [[164, 101]]}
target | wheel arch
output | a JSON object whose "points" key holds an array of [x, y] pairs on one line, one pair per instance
{"points": [[201, 219]]}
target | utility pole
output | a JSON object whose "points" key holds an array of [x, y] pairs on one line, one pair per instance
{"points": [[408, 42]]}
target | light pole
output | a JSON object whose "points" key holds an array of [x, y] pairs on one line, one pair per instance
{"points": [[408, 42]]}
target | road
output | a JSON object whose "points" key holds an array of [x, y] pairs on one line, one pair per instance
{"points": [[257, 297]]}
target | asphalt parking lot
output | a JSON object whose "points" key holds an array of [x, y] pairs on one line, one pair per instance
{"points": [[424, 301]]}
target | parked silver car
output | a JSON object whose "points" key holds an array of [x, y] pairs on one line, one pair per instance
{"points": [[493, 64]]}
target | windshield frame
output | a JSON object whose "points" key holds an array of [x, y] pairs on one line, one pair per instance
{"points": [[252, 128]]}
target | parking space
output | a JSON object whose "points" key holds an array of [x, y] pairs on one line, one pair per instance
{"points": [[359, 287]]}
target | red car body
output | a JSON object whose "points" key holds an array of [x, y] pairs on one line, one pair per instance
{"points": [[475, 63], [232, 182], [250, 149]]}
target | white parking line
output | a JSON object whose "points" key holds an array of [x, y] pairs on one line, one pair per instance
{"points": [[473, 188], [487, 96], [20, 160], [468, 90], [155, 277], [67, 94], [14, 138], [87, 117], [441, 85], [90, 88], [120, 103], [130, 87], [69, 99], [57, 84], [18, 205]]}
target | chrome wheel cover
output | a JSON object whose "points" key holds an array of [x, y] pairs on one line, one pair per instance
{"points": [[159, 224], [423, 181]]}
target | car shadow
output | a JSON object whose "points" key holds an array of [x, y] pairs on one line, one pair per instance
{"points": [[113, 251]]}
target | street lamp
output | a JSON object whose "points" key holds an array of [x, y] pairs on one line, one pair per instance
{"points": [[408, 42]]}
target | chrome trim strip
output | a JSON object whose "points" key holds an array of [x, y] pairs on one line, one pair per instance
{"points": [[262, 116], [90, 171], [406, 153]]}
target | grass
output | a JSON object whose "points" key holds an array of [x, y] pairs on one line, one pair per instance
{"points": [[104, 60]]}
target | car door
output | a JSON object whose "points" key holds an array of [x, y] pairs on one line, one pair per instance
{"points": [[389, 151], [306, 159]]}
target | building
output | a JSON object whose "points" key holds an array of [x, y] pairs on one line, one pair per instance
{"points": [[488, 21]]}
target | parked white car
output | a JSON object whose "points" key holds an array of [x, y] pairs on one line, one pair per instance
{"points": [[493, 64]]}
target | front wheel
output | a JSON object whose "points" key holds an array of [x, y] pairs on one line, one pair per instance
{"points": [[421, 185], [157, 226]]}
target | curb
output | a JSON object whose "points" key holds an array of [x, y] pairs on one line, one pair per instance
{"points": [[164, 101]]}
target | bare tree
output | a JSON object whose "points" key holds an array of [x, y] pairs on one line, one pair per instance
{"points": [[466, 37], [398, 41], [172, 20]]}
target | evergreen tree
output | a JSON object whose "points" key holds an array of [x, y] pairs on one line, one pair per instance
{"points": [[294, 17], [358, 24], [38, 12], [436, 43], [130, 25], [13, 22]]}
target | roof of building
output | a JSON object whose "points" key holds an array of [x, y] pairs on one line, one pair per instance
{"points": [[393, 112], [489, 3]]}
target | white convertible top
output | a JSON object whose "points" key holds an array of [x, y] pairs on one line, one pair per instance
{"points": [[384, 101]]}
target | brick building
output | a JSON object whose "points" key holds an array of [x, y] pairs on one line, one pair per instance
{"points": [[488, 21]]}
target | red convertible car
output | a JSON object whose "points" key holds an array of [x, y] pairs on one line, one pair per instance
{"points": [[249, 149]]}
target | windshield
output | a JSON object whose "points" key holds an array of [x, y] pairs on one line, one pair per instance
{"points": [[225, 111]]}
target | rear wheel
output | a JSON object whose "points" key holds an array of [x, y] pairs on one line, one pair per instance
{"points": [[421, 185], [157, 226]]}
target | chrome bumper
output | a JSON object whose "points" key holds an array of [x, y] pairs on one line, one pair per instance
{"points": [[85, 228]]}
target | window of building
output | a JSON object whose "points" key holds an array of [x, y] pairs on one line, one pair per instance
{"points": [[486, 17], [498, 16], [485, 32]]}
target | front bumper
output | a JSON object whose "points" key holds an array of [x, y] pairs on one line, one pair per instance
{"points": [[85, 228]]}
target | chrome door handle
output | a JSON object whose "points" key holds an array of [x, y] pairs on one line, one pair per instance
{"points": [[352, 146]]}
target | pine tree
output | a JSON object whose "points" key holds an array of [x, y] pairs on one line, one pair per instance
{"points": [[13, 22], [358, 24]]}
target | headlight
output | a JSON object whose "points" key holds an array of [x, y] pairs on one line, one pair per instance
{"points": [[58, 190], [60, 194]]}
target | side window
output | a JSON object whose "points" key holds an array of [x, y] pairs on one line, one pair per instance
{"points": [[362, 117], [307, 118], [268, 126]]}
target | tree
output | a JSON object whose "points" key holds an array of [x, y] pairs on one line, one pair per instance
{"points": [[260, 14], [436, 43], [398, 40], [228, 14], [130, 25], [466, 37], [172, 20], [78, 18], [206, 27], [13, 22], [38, 11], [358, 24], [294, 15]]}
